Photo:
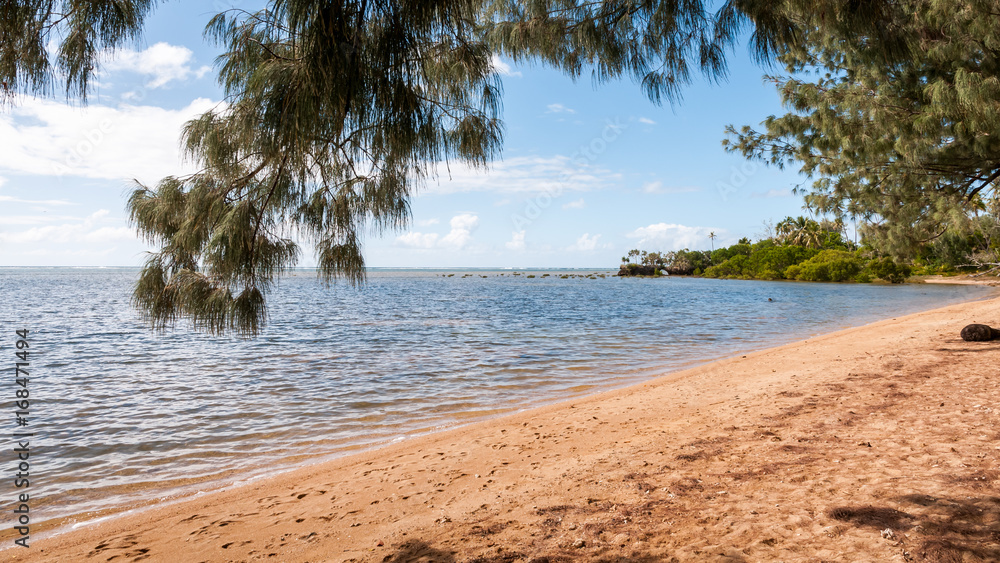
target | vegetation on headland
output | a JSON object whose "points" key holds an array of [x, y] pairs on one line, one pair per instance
{"points": [[807, 250]]}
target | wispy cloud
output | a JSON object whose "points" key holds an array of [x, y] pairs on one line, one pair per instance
{"points": [[460, 235], [21, 219], [585, 243], [85, 230], [162, 63], [503, 67], [669, 236], [647, 121], [522, 175], [102, 142], [559, 108], [578, 204], [417, 240], [772, 193], [657, 187], [11, 199]]}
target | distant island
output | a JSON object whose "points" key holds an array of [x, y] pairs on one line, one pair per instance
{"points": [[804, 250]]}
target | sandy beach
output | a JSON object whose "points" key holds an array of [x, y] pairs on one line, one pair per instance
{"points": [[877, 443]]}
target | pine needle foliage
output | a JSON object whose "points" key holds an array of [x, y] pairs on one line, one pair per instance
{"points": [[907, 146], [660, 44], [84, 30], [336, 112]]}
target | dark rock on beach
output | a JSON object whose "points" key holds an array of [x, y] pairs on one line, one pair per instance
{"points": [[979, 333]]}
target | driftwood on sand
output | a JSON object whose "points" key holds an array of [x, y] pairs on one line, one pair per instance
{"points": [[979, 333]]}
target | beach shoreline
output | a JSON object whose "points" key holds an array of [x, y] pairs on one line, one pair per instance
{"points": [[528, 485]]}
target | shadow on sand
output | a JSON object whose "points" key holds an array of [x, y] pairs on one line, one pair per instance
{"points": [[939, 529]]}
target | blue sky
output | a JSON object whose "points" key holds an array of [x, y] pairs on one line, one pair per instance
{"points": [[587, 172]]}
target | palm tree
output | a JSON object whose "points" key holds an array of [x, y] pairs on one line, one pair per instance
{"points": [[800, 232], [711, 237]]}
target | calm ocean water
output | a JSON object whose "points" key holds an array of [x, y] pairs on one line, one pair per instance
{"points": [[122, 415]]}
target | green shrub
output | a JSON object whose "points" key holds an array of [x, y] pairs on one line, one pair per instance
{"points": [[721, 255], [828, 265], [732, 268], [889, 270], [769, 262]]}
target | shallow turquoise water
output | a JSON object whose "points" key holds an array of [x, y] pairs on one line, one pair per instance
{"points": [[122, 414]]}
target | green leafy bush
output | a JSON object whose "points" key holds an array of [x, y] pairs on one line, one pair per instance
{"points": [[828, 265], [889, 270], [732, 268], [769, 261], [721, 255]]}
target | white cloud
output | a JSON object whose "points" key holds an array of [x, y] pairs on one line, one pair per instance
{"points": [[162, 62], [647, 121], [578, 204], [772, 193], [664, 236], [657, 187], [516, 241], [585, 243], [503, 67], [109, 234], [81, 230], [461, 230], [523, 175], [21, 219], [104, 142], [559, 108], [417, 240], [11, 199], [428, 222], [459, 236]]}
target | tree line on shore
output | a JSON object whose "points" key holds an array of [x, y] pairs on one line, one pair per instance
{"points": [[807, 250]]}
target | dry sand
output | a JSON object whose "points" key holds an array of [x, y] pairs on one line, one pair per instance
{"points": [[878, 443]]}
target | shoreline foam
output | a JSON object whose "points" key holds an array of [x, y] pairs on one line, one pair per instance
{"points": [[592, 473]]}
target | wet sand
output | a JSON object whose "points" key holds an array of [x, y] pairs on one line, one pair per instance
{"points": [[877, 443]]}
